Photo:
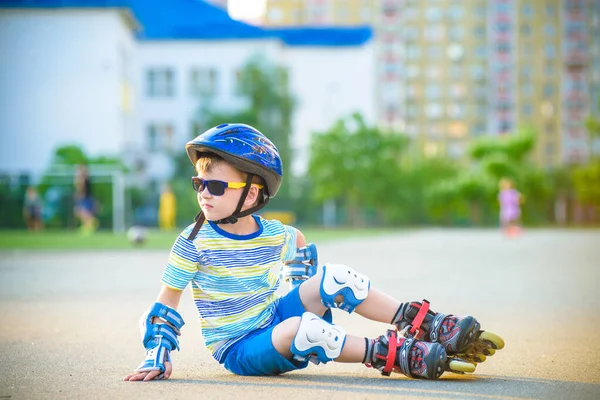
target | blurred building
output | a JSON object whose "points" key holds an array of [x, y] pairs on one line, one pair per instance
{"points": [[128, 78], [192, 58], [66, 77], [450, 70]]}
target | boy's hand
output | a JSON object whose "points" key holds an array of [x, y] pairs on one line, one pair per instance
{"points": [[150, 375]]}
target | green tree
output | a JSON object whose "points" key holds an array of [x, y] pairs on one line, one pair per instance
{"points": [[493, 158], [359, 166], [586, 178]]}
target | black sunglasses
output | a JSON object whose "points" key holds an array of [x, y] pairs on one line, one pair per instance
{"points": [[217, 188]]}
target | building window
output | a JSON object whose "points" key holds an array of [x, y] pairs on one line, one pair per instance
{"points": [[527, 89], [160, 82], [275, 15], [479, 32], [160, 137], [413, 52], [456, 111], [527, 10], [457, 90], [550, 51], [480, 11], [548, 90], [481, 51], [434, 33], [433, 92], [412, 71], [433, 110], [455, 71], [342, 14], [455, 12], [527, 110], [203, 81], [478, 72], [456, 32], [433, 72], [365, 14], [435, 53], [526, 30], [480, 128], [433, 14], [550, 30]]}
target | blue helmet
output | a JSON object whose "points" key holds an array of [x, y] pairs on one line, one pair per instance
{"points": [[243, 146]]}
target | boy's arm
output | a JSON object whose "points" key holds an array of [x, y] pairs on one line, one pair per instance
{"points": [[169, 297], [300, 239]]}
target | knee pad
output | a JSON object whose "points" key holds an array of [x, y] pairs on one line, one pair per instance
{"points": [[341, 280], [317, 338]]}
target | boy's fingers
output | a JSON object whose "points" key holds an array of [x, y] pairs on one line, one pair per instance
{"points": [[151, 375], [168, 370], [135, 376]]}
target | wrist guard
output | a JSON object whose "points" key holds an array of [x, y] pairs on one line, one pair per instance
{"points": [[302, 267]]}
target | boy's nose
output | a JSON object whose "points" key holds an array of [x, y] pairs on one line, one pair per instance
{"points": [[205, 193]]}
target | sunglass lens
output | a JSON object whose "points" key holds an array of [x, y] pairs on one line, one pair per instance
{"points": [[216, 188]]}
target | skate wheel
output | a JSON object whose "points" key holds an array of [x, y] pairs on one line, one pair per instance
{"points": [[495, 341], [490, 351], [461, 366]]}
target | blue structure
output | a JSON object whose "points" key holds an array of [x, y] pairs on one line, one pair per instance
{"points": [[199, 20]]}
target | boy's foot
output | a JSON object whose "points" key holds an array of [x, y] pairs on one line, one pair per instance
{"points": [[460, 336], [412, 357]]}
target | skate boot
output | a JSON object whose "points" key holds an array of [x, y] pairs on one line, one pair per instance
{"points": [[411, 357], [461, 337]]}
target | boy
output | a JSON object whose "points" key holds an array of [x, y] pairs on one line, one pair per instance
{"points": [[246, 326], [32, 210]]}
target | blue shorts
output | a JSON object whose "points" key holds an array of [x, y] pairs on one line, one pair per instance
{"points": [[86, 203], [255, 355]]}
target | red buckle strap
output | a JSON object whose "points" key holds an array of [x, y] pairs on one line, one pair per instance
{"points": [[416, 323], [391, 355]]}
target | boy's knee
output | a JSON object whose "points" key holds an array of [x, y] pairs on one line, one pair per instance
{"points": [[283, 335]]}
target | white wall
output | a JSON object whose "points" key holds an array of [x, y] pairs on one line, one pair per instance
{"points": [[180, 110], [329, 83], [62, 75], [61, 80]]}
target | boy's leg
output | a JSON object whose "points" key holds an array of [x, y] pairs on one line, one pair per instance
{"points": [[312, 338], [338, 284]]}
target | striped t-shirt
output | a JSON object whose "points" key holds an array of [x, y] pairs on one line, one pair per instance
{"points": [[234, 278]]}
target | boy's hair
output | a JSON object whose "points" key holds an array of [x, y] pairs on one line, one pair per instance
{"points": [[206, 162]]}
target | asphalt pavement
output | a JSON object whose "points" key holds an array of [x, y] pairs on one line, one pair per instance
{"points": [[70, 320]]}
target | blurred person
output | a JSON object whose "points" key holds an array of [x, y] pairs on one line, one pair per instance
{"points": [[228, 255], [32, 210], [167, 209], [85, 205], [510, 207]]}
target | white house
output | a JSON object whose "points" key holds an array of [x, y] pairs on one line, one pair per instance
{"points": [[124, 81], [65, 77], [199, 49]]}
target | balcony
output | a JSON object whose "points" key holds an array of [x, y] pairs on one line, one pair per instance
{"points": [[576, 60]]}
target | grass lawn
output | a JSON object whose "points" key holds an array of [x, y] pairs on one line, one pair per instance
{"points": [[73, 240]]}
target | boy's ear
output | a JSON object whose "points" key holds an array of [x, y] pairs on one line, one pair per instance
{"points": [[252, 196]]}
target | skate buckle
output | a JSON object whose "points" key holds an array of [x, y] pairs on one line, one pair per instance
{"points": [[409, 331]]}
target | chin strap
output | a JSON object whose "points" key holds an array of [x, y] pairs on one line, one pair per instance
{"points": [[233, 218]]}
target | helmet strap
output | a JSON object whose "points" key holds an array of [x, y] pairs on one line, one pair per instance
{"points": [[199, 218]]}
